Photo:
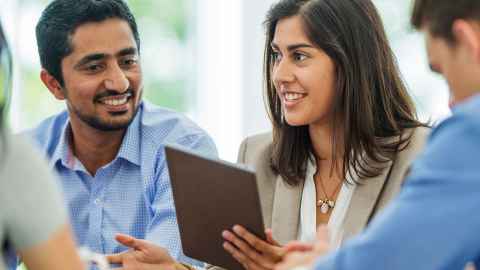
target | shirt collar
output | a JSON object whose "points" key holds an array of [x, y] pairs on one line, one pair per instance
{"points": [[467, 104], [129, 150], [62, 151]]}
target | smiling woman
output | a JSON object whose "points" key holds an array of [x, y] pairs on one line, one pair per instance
{"points": [[344, 127]]}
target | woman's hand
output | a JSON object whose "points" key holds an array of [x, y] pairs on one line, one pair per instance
{"points": [[252, 252], [303, 255]]}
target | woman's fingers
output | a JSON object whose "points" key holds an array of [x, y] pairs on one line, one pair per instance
{"points": [[242, 258], [248, 251]]}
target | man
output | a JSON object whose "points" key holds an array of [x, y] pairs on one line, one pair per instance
{"points": [[434, 222], [108, 146]]}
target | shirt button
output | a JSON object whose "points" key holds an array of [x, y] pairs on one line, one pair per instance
{"points": [[97, 201]]}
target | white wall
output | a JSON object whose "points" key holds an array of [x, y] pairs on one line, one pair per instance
{"points": [[229, 46]]}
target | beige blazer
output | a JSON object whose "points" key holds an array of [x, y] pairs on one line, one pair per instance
{"points": [[281, 202]]}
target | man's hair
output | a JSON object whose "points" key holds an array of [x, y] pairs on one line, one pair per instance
{"points": [[60, 20], [438, 16]]}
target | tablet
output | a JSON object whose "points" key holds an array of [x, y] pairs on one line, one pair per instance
{"points": [[211, 196]]}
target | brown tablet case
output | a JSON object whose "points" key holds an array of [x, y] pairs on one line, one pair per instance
{"points": [[211, 196]]}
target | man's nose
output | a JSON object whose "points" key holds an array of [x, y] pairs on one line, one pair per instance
{"points": [[116, 79]]}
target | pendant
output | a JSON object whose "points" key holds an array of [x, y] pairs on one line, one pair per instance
{"points": [[324, 208], [325, 205]]}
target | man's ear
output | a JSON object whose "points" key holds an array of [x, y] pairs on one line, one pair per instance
{"points": [[52, 84], [467, 34]]}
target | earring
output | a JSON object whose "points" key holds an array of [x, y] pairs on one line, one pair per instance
{"points": [[282, 117]]}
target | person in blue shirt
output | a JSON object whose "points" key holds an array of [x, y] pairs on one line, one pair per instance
{"points": [[434, 222], [107, 147]]}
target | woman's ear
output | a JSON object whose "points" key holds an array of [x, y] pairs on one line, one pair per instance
{"points": [[52, 84], [467, 34]]}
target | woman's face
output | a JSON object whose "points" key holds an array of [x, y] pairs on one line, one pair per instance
{"points": [[303, 75]]}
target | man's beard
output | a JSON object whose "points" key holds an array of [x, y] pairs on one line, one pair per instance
{"points": [[96, 122]]}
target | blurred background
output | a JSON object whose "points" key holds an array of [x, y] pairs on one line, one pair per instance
{"points": [[204, 58]]}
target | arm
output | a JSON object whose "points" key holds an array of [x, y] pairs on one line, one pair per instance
{"points": [[143, 255], [35, 219], [242, 151], [58, 252], [250, 251], [163, 230], [432, 224]]}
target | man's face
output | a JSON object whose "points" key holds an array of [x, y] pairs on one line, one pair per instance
{"points": [[458, 63], [103, 76]]}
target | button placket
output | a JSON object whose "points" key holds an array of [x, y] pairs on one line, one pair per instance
{"points": [[96, 214]]}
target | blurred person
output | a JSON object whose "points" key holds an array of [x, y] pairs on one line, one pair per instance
{"points": [[433, 224], [345, 129], [108, 146], [33, 222]]}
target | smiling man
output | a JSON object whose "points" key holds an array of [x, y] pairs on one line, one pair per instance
{"points": [[107, 146]]}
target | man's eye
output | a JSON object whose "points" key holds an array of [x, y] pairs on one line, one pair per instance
{"points": [[129, 62], [93, 68]]}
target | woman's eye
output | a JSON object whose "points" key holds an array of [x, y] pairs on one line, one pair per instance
{"points": [[299, 57], [276, 56]]}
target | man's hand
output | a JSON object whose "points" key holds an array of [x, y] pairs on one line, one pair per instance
{"points": [[305, 255], [252, 252], [142, 255]]}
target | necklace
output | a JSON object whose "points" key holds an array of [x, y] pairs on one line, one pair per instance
{"points": [[327, 203]]}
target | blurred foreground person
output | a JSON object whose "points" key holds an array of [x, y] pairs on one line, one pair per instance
{"points": [[33, 222]]}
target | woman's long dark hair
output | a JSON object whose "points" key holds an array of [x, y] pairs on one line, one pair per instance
{"points": [[371, 105]]}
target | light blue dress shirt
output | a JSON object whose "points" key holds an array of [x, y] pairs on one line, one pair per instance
{"points": [[131, 194], [434, 224]]}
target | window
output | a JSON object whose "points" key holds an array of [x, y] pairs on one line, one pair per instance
{"points": [[167, 57]]}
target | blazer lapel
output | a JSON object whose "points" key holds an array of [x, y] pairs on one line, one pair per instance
{"points": [[364, 200], [286, 211]]}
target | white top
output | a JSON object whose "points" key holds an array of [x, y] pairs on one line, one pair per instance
{"points": [[308, 211]]}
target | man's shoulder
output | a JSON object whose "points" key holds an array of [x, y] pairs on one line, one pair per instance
{"points": [[453, 144], [48, 130], [161, 125], [464, 121]]}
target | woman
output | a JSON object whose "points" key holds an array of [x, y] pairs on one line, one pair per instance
{"points": [[32, 223], [344, 127]]}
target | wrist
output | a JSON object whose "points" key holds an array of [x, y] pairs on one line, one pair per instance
{"points": [[183, 266]]}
